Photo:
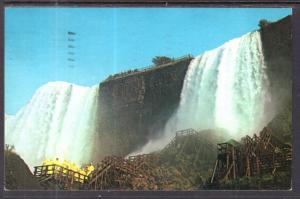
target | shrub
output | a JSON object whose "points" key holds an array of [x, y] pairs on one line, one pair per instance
{"points": [[263, 23], [9, 148], [159, 60]]}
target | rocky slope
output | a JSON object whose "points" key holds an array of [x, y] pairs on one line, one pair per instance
{"points": [[17, 173]]}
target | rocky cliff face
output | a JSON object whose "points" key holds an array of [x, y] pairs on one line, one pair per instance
{"points": [[137, 106], [277, 46]]}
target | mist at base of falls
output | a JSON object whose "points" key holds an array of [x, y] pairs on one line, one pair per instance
{"points": [[226, 88], [58, 122]]}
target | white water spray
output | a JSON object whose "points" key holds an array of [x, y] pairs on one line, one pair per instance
{"points": [[224, 88], [59, 121]]}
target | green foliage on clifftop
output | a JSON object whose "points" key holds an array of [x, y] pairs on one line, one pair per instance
{"points": [[263, 23], [159, 60]]}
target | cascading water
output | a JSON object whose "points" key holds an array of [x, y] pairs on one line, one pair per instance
{"points": [[224, 88], [59, 121]]}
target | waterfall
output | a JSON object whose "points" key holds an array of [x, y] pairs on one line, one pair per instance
{"points": [[58, 122], [226, 88]]}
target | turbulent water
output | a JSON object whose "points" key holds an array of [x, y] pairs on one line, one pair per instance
{"points": [[224, 88], [59, 121]]}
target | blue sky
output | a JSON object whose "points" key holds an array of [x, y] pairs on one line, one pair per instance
{"points": [[110, 40]]}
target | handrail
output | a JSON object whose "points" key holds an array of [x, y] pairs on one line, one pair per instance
{"points": [[146, 68], [58, 166], [54, 169], [173, 60], [186, 132]]}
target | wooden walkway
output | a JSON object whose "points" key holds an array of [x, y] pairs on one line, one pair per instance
{"points": [[254, 156], [60, 177], [117, 172]]}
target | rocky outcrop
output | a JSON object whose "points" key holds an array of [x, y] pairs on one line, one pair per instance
{"points": [[17, 173]]}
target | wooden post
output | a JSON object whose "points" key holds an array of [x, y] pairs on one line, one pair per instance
{"points": [[213, 175], [257, 165], [72, 178], [273, 162], [35, 171], [233, 161], [96, 183], [248, 170], [227, 159], [228, 172]]}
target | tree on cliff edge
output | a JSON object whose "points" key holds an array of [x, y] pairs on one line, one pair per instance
{"points": [[263, 23], [159, 60]]}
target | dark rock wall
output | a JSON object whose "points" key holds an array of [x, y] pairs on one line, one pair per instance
{"points": [[136, 107], [277, 47]]}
